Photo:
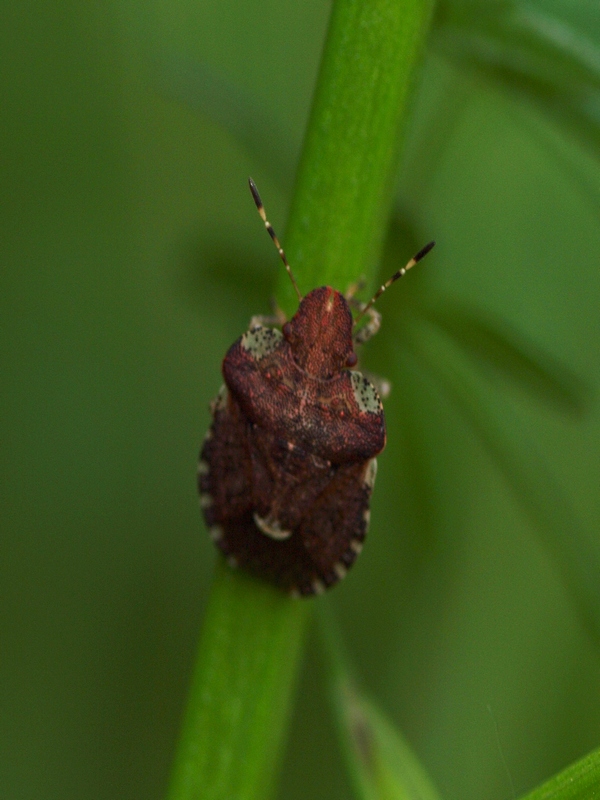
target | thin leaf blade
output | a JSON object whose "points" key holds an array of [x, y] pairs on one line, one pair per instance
{"points": [[573, 550], [380, 760], [384, 765], [580, 781], [541, 58], [492, 343]]}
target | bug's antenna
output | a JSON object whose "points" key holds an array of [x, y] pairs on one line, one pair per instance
{"points": [[401, 272], [272, 234]]}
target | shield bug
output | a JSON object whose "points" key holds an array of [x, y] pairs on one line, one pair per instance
{"points": [[288, 464]]}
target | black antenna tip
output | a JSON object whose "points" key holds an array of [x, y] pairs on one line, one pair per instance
{"points": [[423, 252], [255, 193]]}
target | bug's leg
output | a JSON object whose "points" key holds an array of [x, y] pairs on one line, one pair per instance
{"points": [[353, 289], [370, 327], [373, 322]]}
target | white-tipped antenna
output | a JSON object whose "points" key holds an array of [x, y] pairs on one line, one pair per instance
{"points": [[401, 272], [272, 234]]}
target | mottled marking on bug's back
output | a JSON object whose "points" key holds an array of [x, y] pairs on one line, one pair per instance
{"points": [[259, 341], [365, 394], [218, 404], [216, 533], [203, 467], [205, 500], [371, 474]]}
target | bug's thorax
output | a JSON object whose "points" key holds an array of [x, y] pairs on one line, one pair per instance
{"points": [[320, 333]]}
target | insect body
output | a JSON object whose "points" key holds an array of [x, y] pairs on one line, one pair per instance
{"points": [[288, 465]]}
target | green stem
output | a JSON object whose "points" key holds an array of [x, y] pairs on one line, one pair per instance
{"points": [[241, 690], [343, 193], [242, 687]]}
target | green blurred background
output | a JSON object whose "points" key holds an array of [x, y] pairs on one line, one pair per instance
{"points": [[132, 257]]}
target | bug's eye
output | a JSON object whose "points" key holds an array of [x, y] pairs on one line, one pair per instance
{"points": [[351, 360], [287, 330]]}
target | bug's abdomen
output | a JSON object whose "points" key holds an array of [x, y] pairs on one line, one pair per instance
{"points": [[279, 511]]}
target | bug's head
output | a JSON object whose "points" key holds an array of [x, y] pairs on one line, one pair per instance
{"points": [[320, 333]]}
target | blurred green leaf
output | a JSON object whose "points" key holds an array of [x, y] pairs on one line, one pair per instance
{"points": [[541, 57], [244, 116], [493, 343], [580, 781], [380, 760], [573, 550], [575, 162], [384, 765]]}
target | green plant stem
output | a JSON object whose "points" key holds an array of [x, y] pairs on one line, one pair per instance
{"points": [[241, 690], [251, 644], [344, 187]]}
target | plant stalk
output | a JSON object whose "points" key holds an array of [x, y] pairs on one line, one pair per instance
{"points": [[238, 707]]}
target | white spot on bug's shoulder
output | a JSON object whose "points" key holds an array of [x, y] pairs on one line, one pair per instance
{"points": [[206, 501], [259, 341], [340, 570], [271, 527], [365, 394], [370, 474], [356, 545], [367, 517], [215, 532], [318, 586]]}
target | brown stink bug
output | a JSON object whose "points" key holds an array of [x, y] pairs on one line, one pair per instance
{"points": [[288, 464]]}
